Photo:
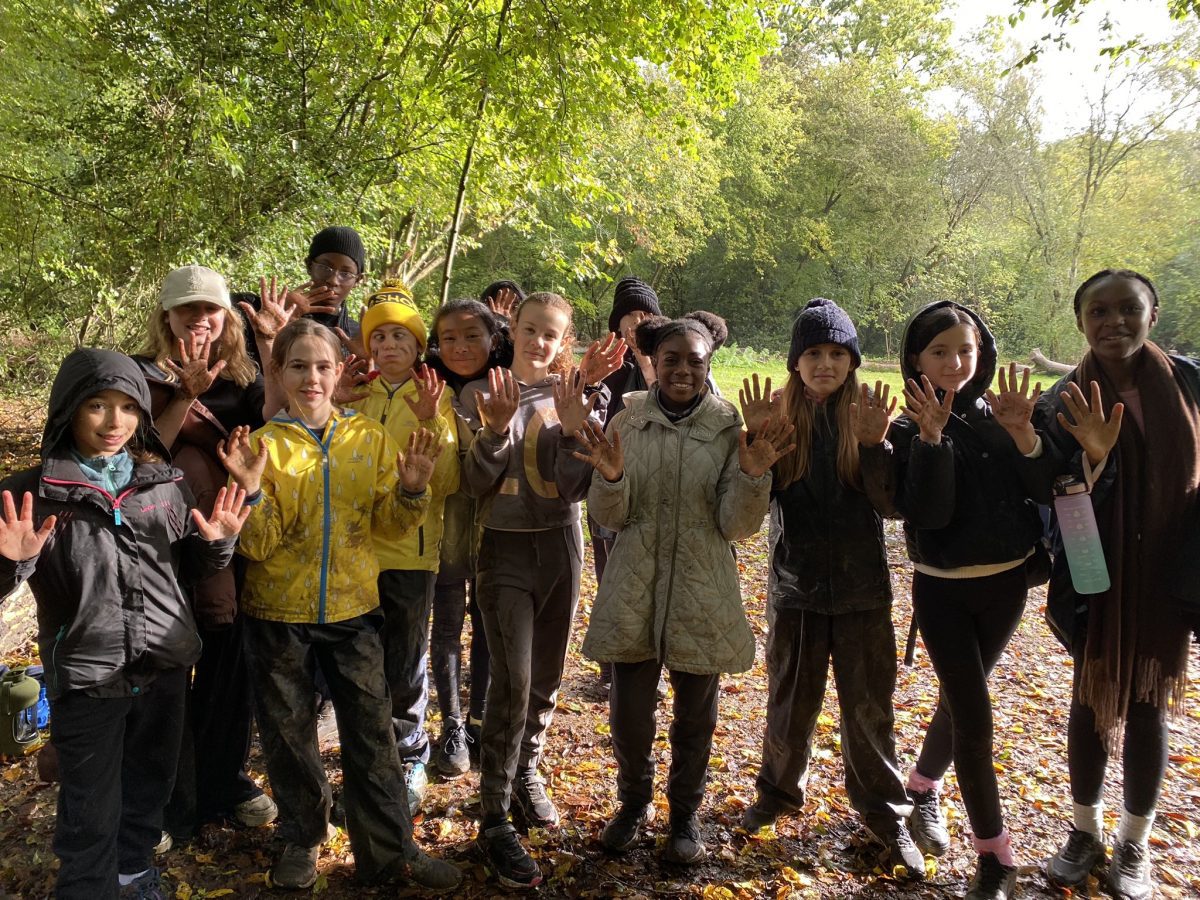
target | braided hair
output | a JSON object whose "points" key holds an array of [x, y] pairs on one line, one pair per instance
{"points": [[1114, 273]]}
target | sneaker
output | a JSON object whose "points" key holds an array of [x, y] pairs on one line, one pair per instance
{"points": [[256, 812], [992, 880], [1071, 865], [927, 825], [474, 734], [530, 803], [1129, 871], [685, 846], [415, 780], [902, 851], [757, 817], [622, 831], [147, 886], [435, 875], [451, 757], [506, 858], [296, 867], [165, 843]]}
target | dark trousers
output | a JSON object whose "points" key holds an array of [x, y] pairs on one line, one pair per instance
{"points": [[116, 759], [632, 703], [406, 597], [1144, 752], [283, 658], [211, 778], [528, 591], [601, 547], [862, 648], [450, 606], [966, 623]]}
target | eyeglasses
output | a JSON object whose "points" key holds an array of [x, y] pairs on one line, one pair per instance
{"points": [[322, 272]]}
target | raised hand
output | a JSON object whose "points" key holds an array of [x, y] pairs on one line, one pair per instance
{"points": [[1095, 434], [273, 312], [921, 405], [352, 385], [605, 457], [872, 414], [1013, 407], [602, 358], [429, 393], [353, 346], [228, 515], [311, 298], [757, 404], [500, 405], [416, 464], [769, 445], [192, 370], [18, 538], [573, 410], [240, 460], [502, 302]]}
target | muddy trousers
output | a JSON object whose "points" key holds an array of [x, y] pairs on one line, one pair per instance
{"points": [[528, 591], [451, 604], [116, 758], [862, 648], [1144, 751], [283, 658], [212, 776], [966, 623], [632, 704], [406, 597]]}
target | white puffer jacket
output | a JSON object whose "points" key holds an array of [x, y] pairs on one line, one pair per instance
{"points": [[670, 589]]}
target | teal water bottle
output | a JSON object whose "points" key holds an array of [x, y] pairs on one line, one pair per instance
{"points": [[1080, 536]]}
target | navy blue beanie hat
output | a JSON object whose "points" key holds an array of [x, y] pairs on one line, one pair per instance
{"points": [[822, 322], [630, 295], [338, 239]]}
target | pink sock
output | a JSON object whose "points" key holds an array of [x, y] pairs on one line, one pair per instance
{"points": [[919, 784], [1000, 845]]}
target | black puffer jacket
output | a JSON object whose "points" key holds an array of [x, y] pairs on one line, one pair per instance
{"points": [[965, 502], [827, 550], [110, 609]]}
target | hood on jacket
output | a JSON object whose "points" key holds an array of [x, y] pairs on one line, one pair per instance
{"points": [[985, 364], [89, 371]]}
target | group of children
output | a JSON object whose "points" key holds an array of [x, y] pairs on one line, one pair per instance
{"points": [[347, 546]]}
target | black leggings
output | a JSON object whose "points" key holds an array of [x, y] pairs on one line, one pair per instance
{"points": [[1144, 754], [450, 606], [966, 624]]}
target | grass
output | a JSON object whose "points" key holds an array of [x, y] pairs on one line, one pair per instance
{"points": [[729, 375]]}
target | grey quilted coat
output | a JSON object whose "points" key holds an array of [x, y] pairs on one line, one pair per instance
{"points": [[670, 589]]}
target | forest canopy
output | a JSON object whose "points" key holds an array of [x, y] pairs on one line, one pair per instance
{"points": [[743, 157]]}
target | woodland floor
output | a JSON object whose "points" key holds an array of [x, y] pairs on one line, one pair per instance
{"points": [[821, 852]]}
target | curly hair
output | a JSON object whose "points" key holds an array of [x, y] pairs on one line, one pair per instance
{"points": [[565, 358], [653, 331]]}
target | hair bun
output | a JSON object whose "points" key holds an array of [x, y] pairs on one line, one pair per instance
{"points": [[713, 324]]}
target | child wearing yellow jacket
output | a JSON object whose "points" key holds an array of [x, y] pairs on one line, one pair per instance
{"points": [[328, 484], [404, 397]]}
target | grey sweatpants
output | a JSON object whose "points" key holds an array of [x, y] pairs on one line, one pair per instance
{"points": [[862, 646], [528, 591]]}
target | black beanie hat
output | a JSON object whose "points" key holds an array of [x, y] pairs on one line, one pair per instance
{"points": [[630, 295], [822, 322], [338, 239], [490, 292]]}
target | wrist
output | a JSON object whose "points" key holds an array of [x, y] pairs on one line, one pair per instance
{"points": [[931, 437]]}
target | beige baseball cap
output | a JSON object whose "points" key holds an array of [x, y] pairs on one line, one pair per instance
{"points": [[193, 284]]}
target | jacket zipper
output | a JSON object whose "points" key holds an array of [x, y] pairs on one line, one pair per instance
{"points": [[662, 649], [115, 502]]}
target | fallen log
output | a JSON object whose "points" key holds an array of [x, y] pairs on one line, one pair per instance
{"points": [[1041, 361]]}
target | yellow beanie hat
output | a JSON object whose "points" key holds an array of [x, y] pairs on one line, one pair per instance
{"points": [[393, 303]]}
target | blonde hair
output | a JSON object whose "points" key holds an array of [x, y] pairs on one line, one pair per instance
{"points": [[565, 358], [231, 347], [801, 412]]}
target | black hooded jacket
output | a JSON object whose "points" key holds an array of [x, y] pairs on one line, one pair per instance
{"points": [[110, 609], [827, 550], [965, 501]]}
